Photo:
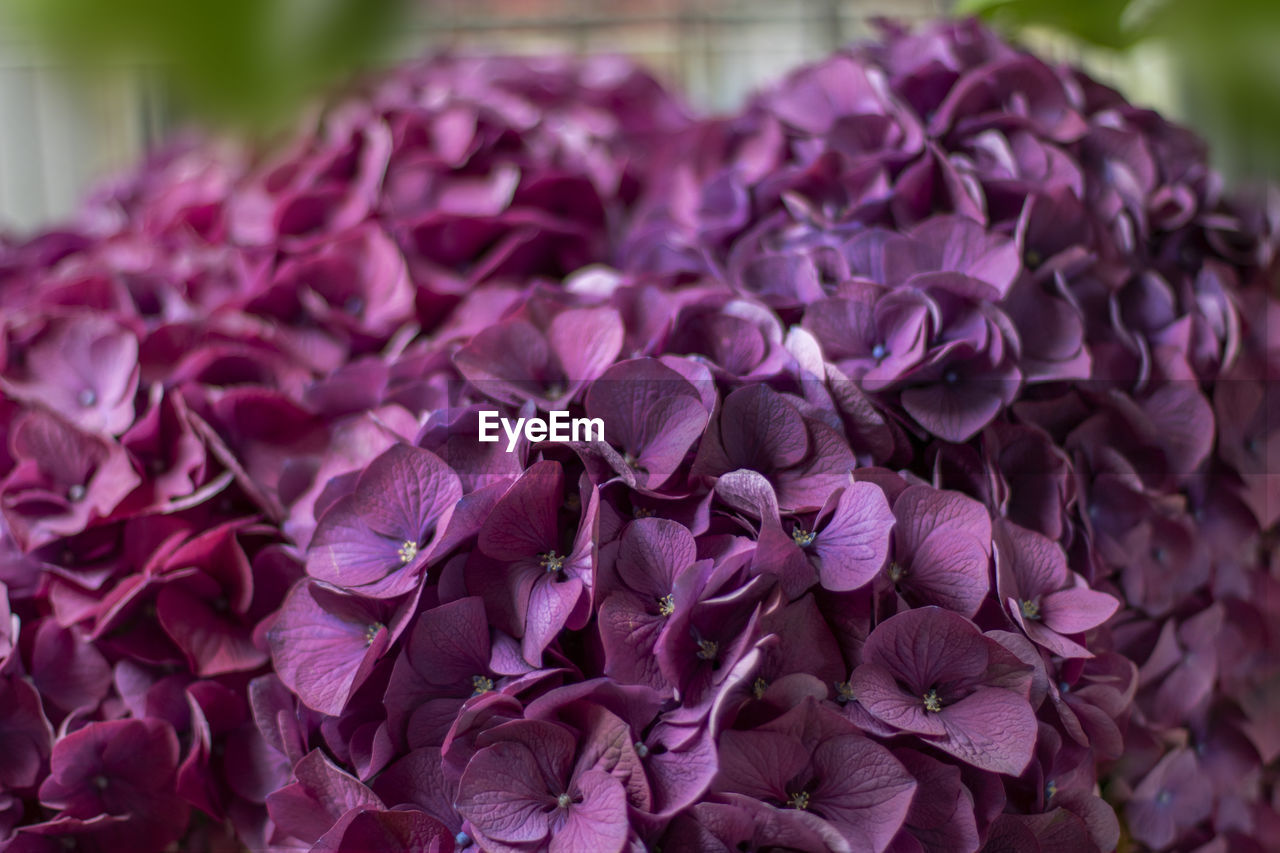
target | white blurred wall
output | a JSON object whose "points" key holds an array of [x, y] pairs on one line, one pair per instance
{"points": [[57, 136]]}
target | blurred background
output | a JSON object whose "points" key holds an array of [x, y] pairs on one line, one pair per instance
{"points": [[88, 86]]}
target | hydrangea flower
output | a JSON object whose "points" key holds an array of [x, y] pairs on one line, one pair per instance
{"points": [[934, 508]]}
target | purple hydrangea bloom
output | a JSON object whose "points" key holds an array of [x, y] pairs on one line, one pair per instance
{"points": [[931, 672], [934, 508]]}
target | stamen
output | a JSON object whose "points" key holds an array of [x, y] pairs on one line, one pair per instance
{"points": [[87, 398], [76, 493], [844, 692], [1050, 788], [878, 352], [1030, 608], [642, 749], [932, 702], [896, 572], [708, 649], [667, 604], [643, 512], [482, 684], [799, 800], [408, 550], [552, 563], [563, 801], [804, 538], [758, 687], [371, 632]]}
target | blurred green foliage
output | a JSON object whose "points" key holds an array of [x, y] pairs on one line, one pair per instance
{"points": [[1225, 53], [248, 62]]}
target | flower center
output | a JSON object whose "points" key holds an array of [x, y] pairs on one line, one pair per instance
{"points": [[951, 377], [931, 701], [1050, 788], [708, 649], [408, 550], [896, 572], [76, 493], [552, 563], [667, 604], [643, 512], [563, 801], [1034, 258], [642, 749], [844, 692], [1164, 798], [462, 840], [100, 782], [758, 687], [804, 538], [799, 800], [1030, 608], [371, 632], [482, 684], [87, 398], [878, 352]]}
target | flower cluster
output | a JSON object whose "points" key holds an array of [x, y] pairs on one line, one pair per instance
{"points": [[934, 509]]}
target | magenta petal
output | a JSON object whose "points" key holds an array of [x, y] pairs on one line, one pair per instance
{"points": [[759, 763], [390, 831], [872, 802], [879, 694], [950, 569], [596, 821], [504, 794], [324, 645], [853, 546], [992, 729], [551, 603], [1077, 609]]}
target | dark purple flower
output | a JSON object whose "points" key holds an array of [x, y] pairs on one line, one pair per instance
{"points": [[444, 663], [83, 367], [119, 767], [932, 673], [324, 643], [531, 783], [746, 824], [941, 548], [63, 480], [25, 734], [379, 539], [802, 761], [1047, 601], [309, 807], [842, 547], [653, 414], [942, 812], [535, 563], [1173, 797], [761, 430], [205, 607], [516, 360], [397, 831], [654, 555]]}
